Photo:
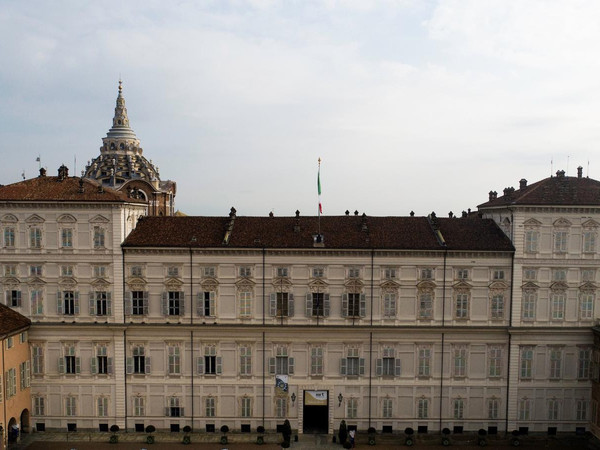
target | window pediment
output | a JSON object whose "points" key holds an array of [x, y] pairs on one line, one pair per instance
{"points": [[532, 223], [100, 283], [34, 218], [67, 282], [354, 285], [498, 286], [462, 286], [66, 218], [590, 224], [245, 283], [11, 281], [9, 218], [173, 283], [282, 282], [530, 286], [99, 219], [390, 285], [588, 286], [562, 223], [426, 285], [318, 285], [209, 284], [559, 286], [136, 281], [36, 280]]}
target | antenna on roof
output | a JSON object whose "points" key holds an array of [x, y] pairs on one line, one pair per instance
{"points": [[568, 156], [39, 161], [551, 166], [23, 174], [588, 169]]}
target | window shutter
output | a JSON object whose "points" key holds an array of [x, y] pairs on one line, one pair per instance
{"points": [[59, 303], [200, 304], [77, 364], [212, 303], [182, 303], [393, 305], [165, 304], [272, 366], [145, 302], [128, 303], [291, 366], [76, 295], [379, 366], [92, 303], [94, 365], [363, 305], [361, 366], [200, 365], [397, 367], [343, 366], [290, 305], [18, 298], [109, 303], [129, 364], [309, 305], [181, 411], [61, 365], [219, 365], [147, 365], [344, 305], [326, 305], [6, 297], [109, 366], [167, 411], [273, 304]]}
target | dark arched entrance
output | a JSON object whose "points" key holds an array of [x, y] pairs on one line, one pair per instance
{"points": [[25, 425]]}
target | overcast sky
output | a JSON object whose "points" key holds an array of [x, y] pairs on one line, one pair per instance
{"points": [[411, 105]]}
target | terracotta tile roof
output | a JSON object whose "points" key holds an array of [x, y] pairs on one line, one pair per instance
{"points": [[343, 232], [45, 188], [11, 321], [558, 190]]}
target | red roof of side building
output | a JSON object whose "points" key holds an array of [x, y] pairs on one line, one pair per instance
{"points": [[68, 189], [339, 232], [11, 321], [559, 190]]}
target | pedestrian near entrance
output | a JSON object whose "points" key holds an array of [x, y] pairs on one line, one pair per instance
{"points": [[352, 435]]}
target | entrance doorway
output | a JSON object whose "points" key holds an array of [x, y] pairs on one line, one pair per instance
{"points": [[316, 412]]}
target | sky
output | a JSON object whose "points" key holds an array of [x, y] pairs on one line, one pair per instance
{"points": [[410, 105]]}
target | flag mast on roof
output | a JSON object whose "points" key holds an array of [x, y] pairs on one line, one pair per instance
{"points": [[319, 191]]}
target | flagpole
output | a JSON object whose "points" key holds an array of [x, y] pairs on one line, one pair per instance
{"points": [[319, 192]]}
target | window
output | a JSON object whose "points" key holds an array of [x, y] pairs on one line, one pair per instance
{"points": [[588, 275], [39, 406], [498, 274], [101, 364], [11, 382], [9, 237], [389, 273], [352, 408], [387, 408], [425, 305], [102, 406], [528, 304], [69, 363], [497, 307], [388, 365], [495, 361], [173, 303], [245, 360], [209, 271], [174, 359], [316, 361], [389, 304], [459, 408], [460, 361], [139, 303], [35, 237], [68, 303], [37, 359], [9, 342], [493, 408], [462, 274], [245, 298], [245, 271], [423, 408], [586, 305], [281, 304], [139, 406], [559, 275], [560, 241], [22, 337], [426, 273], [98, 237], [354, 305], [282, 364], [529, 274], [581, 410], [13, 298], [70, 406], [173, 271], [531, 241], [584, 363], [10, 270], [246, 407], [282, 272], [137, 271], [318, 272], [524, 409], [353, 272], [100, 303], [555, 363], [424, 362], [317, 304], [212, 362], [139, 363], [281, 407], [553, 407], [461, 306], [66, 271], [210, 406], [352, 365], [25, 374], [557, 306], [589, 241], [35, 271], [174, 409], [206, 304], [526, 363], [100, 271], [66, 238]]}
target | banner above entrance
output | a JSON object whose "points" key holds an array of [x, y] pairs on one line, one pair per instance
{"points": [[315, 398]]}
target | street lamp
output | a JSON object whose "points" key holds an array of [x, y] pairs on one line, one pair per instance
{"points": [[340, 399]]}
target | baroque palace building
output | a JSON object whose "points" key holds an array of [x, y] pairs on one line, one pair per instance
{"points": [[141, 318]]}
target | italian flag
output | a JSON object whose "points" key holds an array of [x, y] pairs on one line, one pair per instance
{"points": [[319, 188]]}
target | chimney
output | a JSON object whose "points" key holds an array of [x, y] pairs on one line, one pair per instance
{"points": [[63, 172], [364, 226], [579, 172], [81, 190], [42, 172], [493, 195], [522, 183], [451, 214], [297, 223], [560, 173], [412, 214]]}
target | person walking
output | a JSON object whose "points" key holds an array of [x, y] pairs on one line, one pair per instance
{"points": [[352, 435]]}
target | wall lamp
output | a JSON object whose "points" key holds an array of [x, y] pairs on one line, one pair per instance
{"points": [[340, 399], [293, 398]]}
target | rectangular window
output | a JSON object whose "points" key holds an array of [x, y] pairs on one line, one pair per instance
{"points": [[66, 271], [37, 358], [139, 303], [460, 361], [70, 406], [71, 362], [98, 237], [531, 241], [353, 362], [102, 360], [25, 374], [588, 275], [555, 363], [352, 408], [210, 406], [584, 363], [139, 360], [389, 304], [281, 361], [39, 406], [318, 272], [353, 272], [390, 366], [174, 409], [102, 406], [553, 408], [281, 407], [245, 360], [459, 408], [10, 270], [498, 274], [246, 406], [22, 337], [9, 342], [462, 274], [101, 304], [589, 241], [426, 273], [525, 409], [424, 363], [174, 363], [9, 237], [423, 408], [13, 298], [174, 303], [495, 361], [137, 271], [318, 304], [353, 306], [35, 271], [66, 238], [557, 306], [461, 308], [69, 303], [425, 305], [139, 406], [387, 412], [35, 237], [99, 271], [526, 363], [529, 274], [11, 383], [493, 408], [559, 275], [581, 410], [206, 304], [586, 306], [210, 360], [389, 273], [316, 361], [209, 271], [245, 298], [245, 271], [282, 272], [560, 241], [497, 307], [528, 305], [173, 271], [282, 305]]}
